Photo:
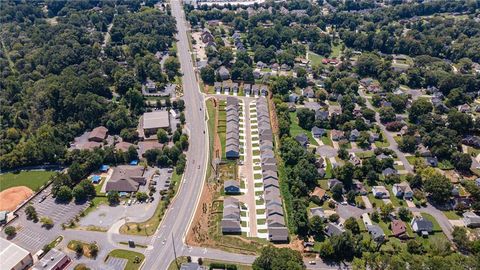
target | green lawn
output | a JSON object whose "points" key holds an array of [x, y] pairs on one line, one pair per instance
{"points": [[208, 263], [32, 179], [222, 125], [326, 139], [452, 215], [365, 154], [315, 59], [328, 169], [295, 129], [130, 256], [445, 165]]}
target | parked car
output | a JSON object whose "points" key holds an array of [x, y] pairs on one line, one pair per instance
{"points": [[42, 198]]}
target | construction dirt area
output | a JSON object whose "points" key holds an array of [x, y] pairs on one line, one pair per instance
{"points": [[13, 197]]}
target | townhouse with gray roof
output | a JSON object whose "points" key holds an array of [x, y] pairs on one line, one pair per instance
{"points": [[231, 216]]}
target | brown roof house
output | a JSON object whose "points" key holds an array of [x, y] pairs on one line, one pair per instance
{"points": [[126, 178], [98, 134], [399, 229]]}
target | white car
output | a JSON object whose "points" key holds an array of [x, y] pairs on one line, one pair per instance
{"points": [[312, 262]]}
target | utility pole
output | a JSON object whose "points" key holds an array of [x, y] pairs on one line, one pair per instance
{"points": [[175, 252]]}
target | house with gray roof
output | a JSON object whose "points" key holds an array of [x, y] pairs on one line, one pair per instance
{"points": [[333, 229], [231, 216], [223, 73], [471, 219], [421, 226], [126, 178], [376, 233], [318, 132]]}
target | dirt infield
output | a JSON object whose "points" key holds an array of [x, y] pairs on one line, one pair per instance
{"points": [[14, 196]]}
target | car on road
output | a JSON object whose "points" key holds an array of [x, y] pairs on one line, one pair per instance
{"points": [[344, 203], [129, 202], [312, 262]]}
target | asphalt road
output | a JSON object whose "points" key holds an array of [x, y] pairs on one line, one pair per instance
{"points": [[388, 135], [177, 219]]}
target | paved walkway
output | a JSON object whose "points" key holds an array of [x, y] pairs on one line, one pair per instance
{"points": [[247, 171]]}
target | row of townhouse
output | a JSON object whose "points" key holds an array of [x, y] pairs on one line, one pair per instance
{"points": [[277, 231], [232, 144]]}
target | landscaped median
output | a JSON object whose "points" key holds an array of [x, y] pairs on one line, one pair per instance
{"points": [[149, 226]]}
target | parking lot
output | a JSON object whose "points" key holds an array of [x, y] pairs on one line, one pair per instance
{"points": [[116, 263], [105, 215], [32, 236]]}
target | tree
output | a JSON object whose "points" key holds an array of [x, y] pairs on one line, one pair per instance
{"points": [[404, 214], [461, 122], [334, 217], [385, 210], [279, 259], [351, 196], [415, 247], [369, 64], [64, 194], [306, 118], [46, 222], [31, 213], [352, 225], [76, 172], [439, 187], [162, 136], [172, 67], [460, 238], [387, 114], [141, 196], [207, 74], [10, 231], [113, 197], [419, 108], [316, 226], [78, 248], [326, 250], [337, 192], [462, 161], [343, 153], [79, 193], [93, 248]]}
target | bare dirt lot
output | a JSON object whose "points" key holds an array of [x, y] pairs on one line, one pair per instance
{"points": [[14, 196]]}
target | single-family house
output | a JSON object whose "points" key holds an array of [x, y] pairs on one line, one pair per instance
{"points": [[389, 172], [223, 73], [321, 115], [471, 219], [333, 229], [98, 134], [376, 233], [380, 192], [402, 190], [302, 139], [308, 92], [334, 182], [354, 134], [293, 97], [422, 226], [399, 229], [318, 132], [317, 211], [337, 135], [318, 192]]}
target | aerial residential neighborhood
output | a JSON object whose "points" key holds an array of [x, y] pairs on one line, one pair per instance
{"points": [[254, 134]]}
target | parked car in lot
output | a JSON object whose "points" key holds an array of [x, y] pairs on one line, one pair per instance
{"points": [[42, 198], [129, 202]]}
